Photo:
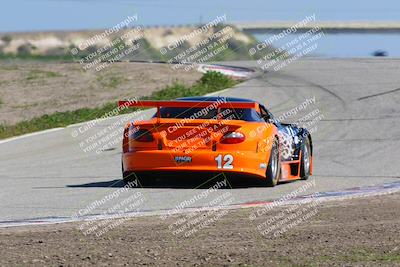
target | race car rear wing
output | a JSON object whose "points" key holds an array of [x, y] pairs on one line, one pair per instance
{"points": [[184, 104]]}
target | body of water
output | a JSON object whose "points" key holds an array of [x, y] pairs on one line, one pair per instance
{"points": [[347, 44]]}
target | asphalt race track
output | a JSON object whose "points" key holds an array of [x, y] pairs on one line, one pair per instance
{"points": [[356, 143]]}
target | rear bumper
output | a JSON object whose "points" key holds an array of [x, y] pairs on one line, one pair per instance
{"points": [[245, 163]]}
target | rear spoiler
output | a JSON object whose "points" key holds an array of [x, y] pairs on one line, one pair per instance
{"points": [[186, 104]]}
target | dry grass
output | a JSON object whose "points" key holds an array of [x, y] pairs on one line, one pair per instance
{"points": [[30, 90]]}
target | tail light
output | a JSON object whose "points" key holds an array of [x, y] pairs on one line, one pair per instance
{"points": [[233, 138], [142, 135]]}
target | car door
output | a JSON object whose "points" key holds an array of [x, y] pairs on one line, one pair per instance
{"points": [[286, 134]]}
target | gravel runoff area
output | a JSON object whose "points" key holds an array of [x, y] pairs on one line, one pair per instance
{"points": [[358, 232]]}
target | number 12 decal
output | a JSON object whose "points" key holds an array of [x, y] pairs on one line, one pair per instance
{"points": [[227, 160]]}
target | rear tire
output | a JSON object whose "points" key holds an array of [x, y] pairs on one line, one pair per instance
{"points": [[127, 176], [274, 166], [305, 164]]}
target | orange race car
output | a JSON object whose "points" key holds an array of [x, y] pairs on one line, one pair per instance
{"points": [[215, 135]]}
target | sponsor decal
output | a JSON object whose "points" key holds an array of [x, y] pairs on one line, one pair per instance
{"points": [[183, 159]]}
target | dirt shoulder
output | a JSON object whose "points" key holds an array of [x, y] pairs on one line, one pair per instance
{"points": [[359, 232], [32, 89]]}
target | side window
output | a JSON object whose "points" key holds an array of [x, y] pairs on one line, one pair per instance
{"points": [[264, 114]]}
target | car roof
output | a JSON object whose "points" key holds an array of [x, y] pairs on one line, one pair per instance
{"points": [[216, 98]]}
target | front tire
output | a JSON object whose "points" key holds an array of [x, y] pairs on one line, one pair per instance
{"points": [[274, 166], [305, 163]]}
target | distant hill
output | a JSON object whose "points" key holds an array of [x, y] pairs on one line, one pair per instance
{"points": [[192, 44]]}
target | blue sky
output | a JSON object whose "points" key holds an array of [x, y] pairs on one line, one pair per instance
{"points": [[34, 15]]}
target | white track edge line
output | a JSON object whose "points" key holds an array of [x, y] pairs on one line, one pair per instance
{"points": [[30, 134]]}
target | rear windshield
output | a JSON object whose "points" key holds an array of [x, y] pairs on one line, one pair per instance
{"points": [[245, 114]]}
